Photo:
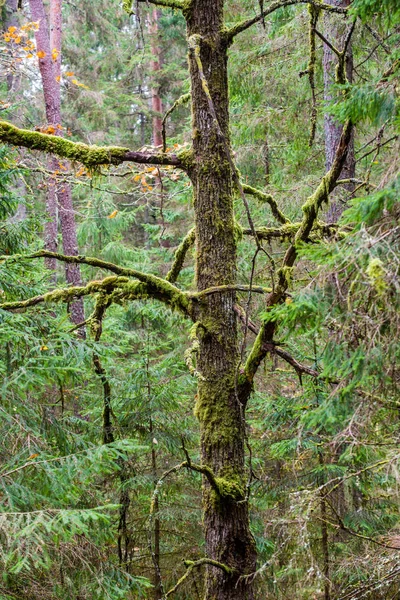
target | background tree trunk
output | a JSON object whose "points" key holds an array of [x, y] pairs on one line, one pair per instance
{"points": [[334, 32], [48, 43], [218, 408]]}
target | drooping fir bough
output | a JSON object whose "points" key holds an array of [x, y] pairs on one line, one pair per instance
{"points": [[225, 374]]}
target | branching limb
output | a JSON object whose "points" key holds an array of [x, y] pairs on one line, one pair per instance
{"points": [[190, 564], [274, 349], [268, 199], [90, 156], [155, 287], [240, 27], [68, 294], [310, 213]]}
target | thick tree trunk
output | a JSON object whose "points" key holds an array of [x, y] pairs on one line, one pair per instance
{"points": [[219, 409], [48, 42], [334, 32]]}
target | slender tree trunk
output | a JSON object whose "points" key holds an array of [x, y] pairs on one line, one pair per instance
{"points": [[219, 408], [334, 32], [157, 590], [48, 42], [155, 65], [13, 81]]}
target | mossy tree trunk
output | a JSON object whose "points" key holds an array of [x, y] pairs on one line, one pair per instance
{"points": [[219, 406]]}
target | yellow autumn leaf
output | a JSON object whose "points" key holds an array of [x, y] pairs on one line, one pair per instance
{"points": [[41, 54], [137, 178], [113, 214], [58, 78], [51, 130], [43, 348], [17, 39], [12, 29], [32, 456], [29, 56], [69, 73], [75, 81]]}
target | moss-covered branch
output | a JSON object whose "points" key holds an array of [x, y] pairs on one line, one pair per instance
{"points": [[155, 287], [267, 199], [195, 564], [220, 289], [180, 102], [68, 294], [180, 255], [240, 27], [289, 231], [177, 4], [310, 213], [90, 156]]}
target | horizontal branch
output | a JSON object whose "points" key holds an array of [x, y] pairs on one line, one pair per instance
{"points": [[89, 155], [268, 199], [195, 564], [219, 289], [177, 4], [289, 231], [68, 294], [240, 27], [150, 285]]}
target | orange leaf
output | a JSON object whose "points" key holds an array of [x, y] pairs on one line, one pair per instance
{"points": [[41, 54], [32, 456], [12, 29], [113, 214], [54, 54], [69, 73], [58, 78]]}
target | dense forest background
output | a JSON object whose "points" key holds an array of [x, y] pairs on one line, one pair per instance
{"points": [[97, 400]]}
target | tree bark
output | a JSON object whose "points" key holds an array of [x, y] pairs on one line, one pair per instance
{"points": [[219, 408], [334, 32], [156, 102], [48, 43]]}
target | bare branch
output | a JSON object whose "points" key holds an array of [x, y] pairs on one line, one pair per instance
{"points": [[240, 27]]}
